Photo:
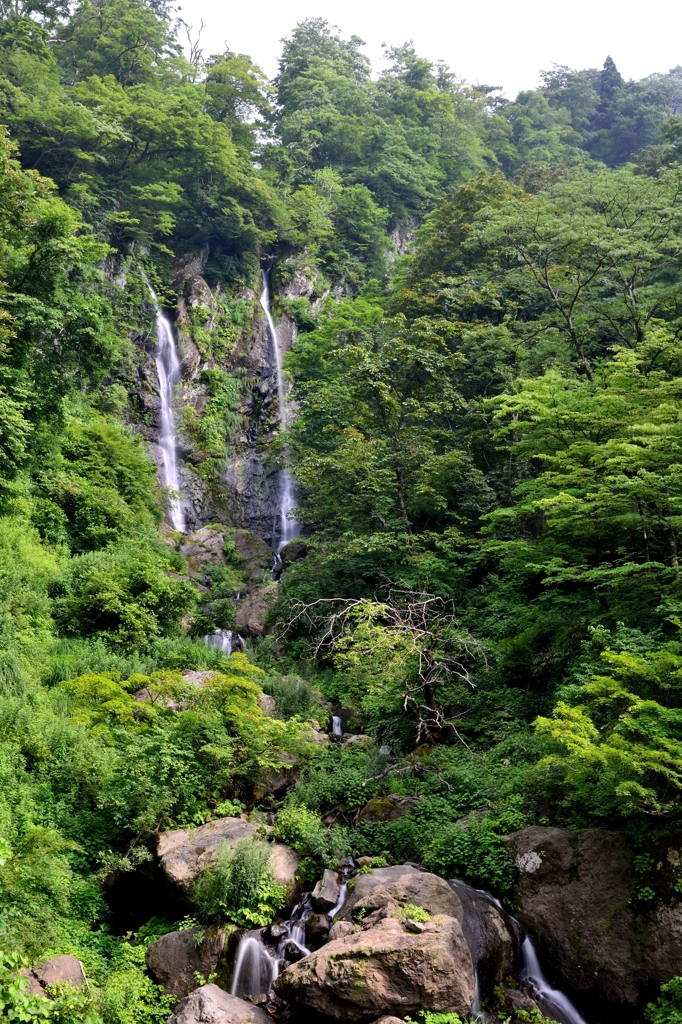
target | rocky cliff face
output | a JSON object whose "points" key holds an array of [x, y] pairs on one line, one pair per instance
{"points": [[226, 407], [608, 921]]}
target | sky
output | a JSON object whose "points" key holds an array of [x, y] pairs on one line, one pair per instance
{"points": [[494, 42]]}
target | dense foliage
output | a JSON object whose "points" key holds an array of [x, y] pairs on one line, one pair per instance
{"points": [[487, 377]]}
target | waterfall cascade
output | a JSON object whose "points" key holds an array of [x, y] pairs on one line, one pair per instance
{"points": [[337, 727], [168, 369], [285, 529], [552, 1002], [258, 963]]}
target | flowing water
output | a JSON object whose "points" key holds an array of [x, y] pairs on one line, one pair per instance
{"points": [[258, 963], [337, 728], [285, 528], [221, 639], [168, 369], [255, 967], [552, 1002]]}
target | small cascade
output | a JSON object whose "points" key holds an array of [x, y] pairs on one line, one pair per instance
{"points": [[257, 964], [262, 955], [222, 640], [552, 1002], [337, 728], [168, 369], [255, 968], [285, 528], [476, 1012], [342, 899]]}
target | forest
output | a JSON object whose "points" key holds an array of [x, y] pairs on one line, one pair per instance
{"points": [[484, 435]]}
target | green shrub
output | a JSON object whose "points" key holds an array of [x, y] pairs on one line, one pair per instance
{"points": [[668, 1007], [239, 886], [414, 913], [320, 847], [122, 594], [295, 697], [474, 852]]}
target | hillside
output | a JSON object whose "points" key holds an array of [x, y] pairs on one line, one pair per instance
{"points": [[340, 491]]}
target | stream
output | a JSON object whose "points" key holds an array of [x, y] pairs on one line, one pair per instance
{"points": [[259, 962]]}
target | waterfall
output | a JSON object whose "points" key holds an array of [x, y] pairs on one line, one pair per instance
{"points": [[168, 368], [285, 529], [337, 728], [343, 892], [552, 1002], [255, 967], [221, 639]]}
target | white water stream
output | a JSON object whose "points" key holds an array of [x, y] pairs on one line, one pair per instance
{"points": [[552, 1001], [285, 528], [257, 964], [168, 369]]}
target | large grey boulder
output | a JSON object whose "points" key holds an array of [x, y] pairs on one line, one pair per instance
{"points": [[387, 808], [253, 611], [184, 853], [211, 1005], [577, 896], [326, 893], [255, 556], [60, 970], [384, 969], [398, 885], [175, 958]]}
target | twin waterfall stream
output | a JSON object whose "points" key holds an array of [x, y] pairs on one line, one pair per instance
{"points": [[257, 962], [169, 369]]}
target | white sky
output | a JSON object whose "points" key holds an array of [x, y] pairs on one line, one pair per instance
{"points": [[496, 42]]}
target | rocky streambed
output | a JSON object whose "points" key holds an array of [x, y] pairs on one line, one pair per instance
{"points": [[365, 943], [372, 942]]}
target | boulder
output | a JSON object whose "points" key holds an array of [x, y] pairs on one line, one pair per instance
{"points": [[384, 970], [577, 895], [317, 929], [203, 547], [175, 958], [293, 551], [340, 929], [253, 611], [254, 554], [267, 704], [282, 778], [494, 938], [387, 808], [326, 893], [211, 1005], [184, 853], [60, 970], [398, 885]]}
